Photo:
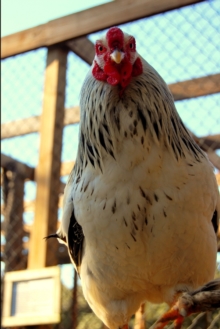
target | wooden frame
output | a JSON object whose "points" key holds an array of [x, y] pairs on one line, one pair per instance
{"points": [[181, 90], [87, 21], [13, 278], [61, 35]]}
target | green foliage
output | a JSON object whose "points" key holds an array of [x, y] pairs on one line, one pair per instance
{"points": [[66, 305]]}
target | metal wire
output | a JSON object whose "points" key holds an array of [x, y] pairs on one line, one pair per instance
{"points": [[181, 45]]}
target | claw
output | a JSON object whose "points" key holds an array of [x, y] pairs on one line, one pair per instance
{"points": [[178, 322], [204, 299], [172, 314]]}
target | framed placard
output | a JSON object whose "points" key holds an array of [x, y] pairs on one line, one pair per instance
{"points": [[32, 297]]}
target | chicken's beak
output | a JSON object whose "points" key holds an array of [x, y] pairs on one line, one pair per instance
{"points": [[117, 56]]}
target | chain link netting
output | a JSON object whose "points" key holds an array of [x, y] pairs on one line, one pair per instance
{"points": [[181, 45]]}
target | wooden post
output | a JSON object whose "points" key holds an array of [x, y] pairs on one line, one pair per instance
{"points": [[74, 302], [43, 253], [13, 187]]}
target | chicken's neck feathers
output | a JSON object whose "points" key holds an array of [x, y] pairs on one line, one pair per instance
{"points": [[101, 126]]}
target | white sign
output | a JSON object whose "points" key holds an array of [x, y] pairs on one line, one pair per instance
{"points": [[32, 297]]}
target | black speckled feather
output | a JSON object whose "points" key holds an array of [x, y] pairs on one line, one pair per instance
{"points": [[75, 240], [215, 221]]}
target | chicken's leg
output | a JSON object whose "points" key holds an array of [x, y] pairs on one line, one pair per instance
{"points": [[172, 314], [204, 299]]}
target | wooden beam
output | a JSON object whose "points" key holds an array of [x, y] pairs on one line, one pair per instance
{"points": [[48, 170], [32, 124], [62, 258], [213, 138], [29, 172], [214, 159], [181, 90], [66, 168], [13, 194], [27, 228], [208, 143], [85, 22], [20, 127], [72, 115], [12, 164], [82, 47], [29, 206], [196, 87]]}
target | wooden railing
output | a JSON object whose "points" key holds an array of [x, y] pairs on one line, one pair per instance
{"points": [[85, 22]]}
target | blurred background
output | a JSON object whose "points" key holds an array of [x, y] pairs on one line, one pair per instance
{"points": [[43, 68]]}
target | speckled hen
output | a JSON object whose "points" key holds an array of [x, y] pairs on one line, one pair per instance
{"points": [[141, 205]]}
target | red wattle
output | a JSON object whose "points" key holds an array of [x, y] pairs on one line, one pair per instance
{"points": [[125, 82], [112, 80], [116, 74], [126, 69], [137, 68], [98, 73], [111, 71]]}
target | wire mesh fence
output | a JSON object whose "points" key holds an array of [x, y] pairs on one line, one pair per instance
{"points": [[182, 45]]}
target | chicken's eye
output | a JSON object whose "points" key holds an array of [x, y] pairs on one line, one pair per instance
{"points": [[100, 49], [131, 44]]}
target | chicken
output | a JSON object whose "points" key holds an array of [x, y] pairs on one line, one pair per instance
{"points": [[141, 206]]}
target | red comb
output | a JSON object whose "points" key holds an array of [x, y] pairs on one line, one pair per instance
{"points": [[115, 37]]}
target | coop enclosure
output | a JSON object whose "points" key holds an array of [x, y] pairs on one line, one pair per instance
{"points": [[43, 69]]}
